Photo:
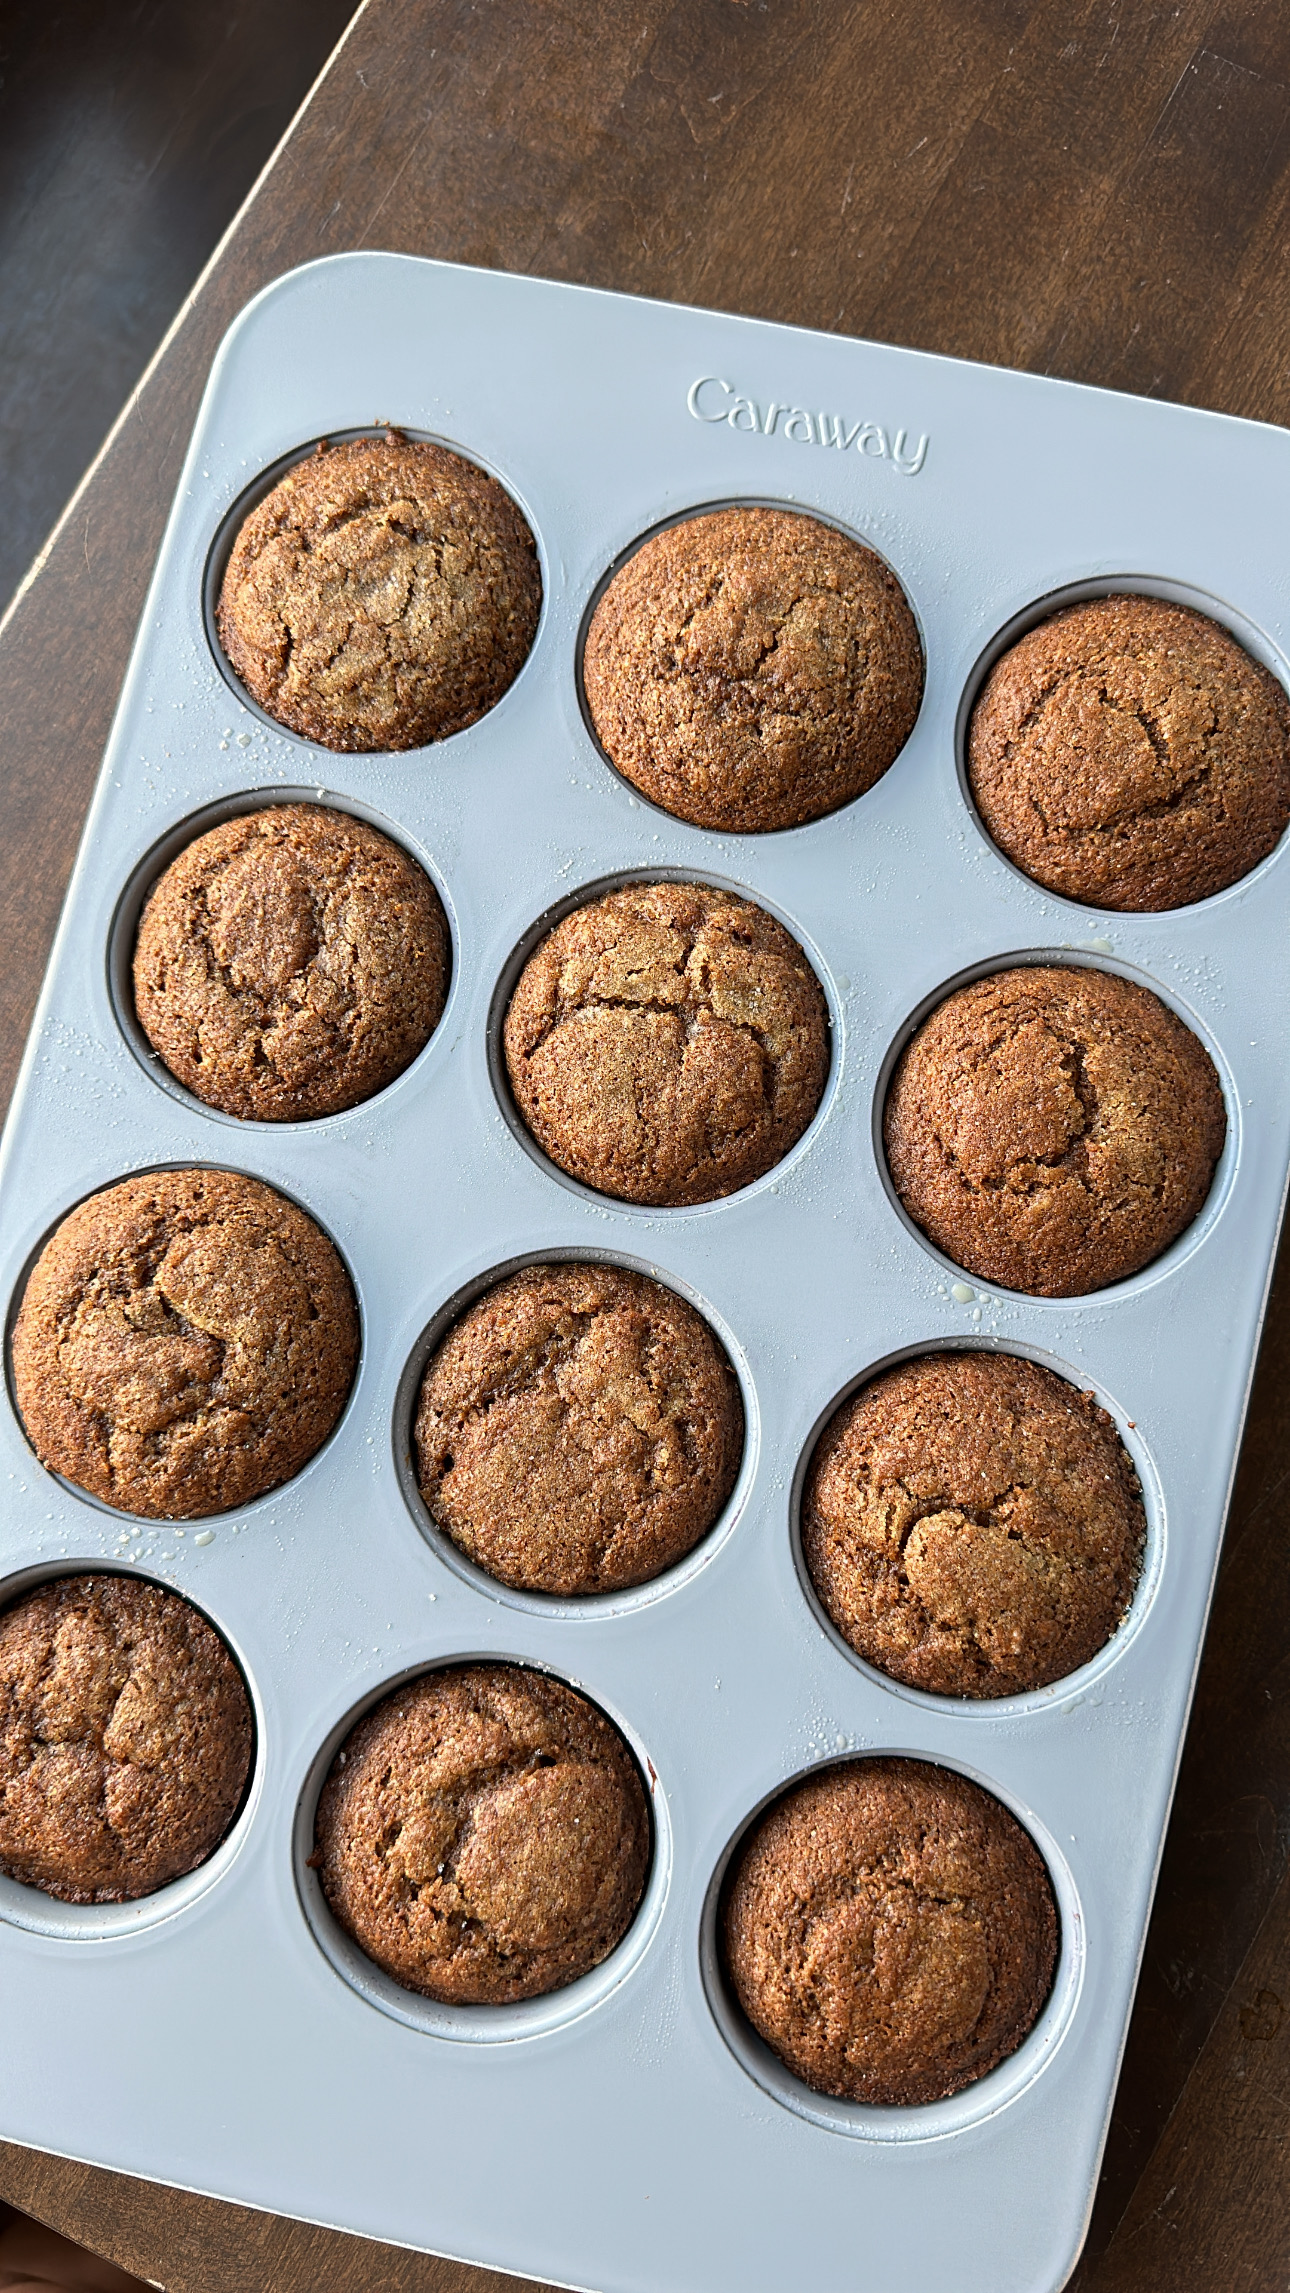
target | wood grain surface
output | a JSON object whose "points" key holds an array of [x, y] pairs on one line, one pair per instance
{"points": [[1092, 188], [128, 136]]}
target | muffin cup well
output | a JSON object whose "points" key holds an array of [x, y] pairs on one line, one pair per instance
{"points": [[895, 2122], [790, 508], [587, 1605], [476, 2025], [267, 1496], [41, 1914], [161, 855], [1032, 616], [1086, 1677], [234, 518], [599, 888], [1225, 1170]]}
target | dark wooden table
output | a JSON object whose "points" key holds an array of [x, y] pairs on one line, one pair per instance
{"points": [[1092, 188]]}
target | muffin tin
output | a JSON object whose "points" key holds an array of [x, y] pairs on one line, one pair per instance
{"points": [[630, 2133]]}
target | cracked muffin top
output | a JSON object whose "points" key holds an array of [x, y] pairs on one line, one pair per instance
{"points": [[384, 595], [125, 1739], [973, 1524], [1130, 754], [290, 963], [483, 1835], [890, 1931], [186, 1341], [1053, 1128], [579, 1430], [752, 669], [667, 1044]]}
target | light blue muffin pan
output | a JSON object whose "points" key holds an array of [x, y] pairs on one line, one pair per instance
{"points": [[629, 2134]]}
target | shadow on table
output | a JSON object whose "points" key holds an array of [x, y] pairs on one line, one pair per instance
{"points": [[35, 2260]]}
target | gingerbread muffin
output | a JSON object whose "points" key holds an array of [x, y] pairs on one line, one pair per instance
{"points": [[752, 669], [290, 963], [667, 1044], [579, 1430], [384, 595], [186, 1341], [973, 1524], [483, 1835], [890, 1931], [1130, 754], [1053, 1128], [125, 1739]]}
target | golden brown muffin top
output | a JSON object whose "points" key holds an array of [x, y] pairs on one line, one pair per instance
{"points": [[125, 1739], [290, 963], [1129, 753], [383, 595], [890, 1931], [1053, 1128], [483, 1835], [186, 1341], [579, 1430], [752, 669], [668, 1043], [973, 1524]]}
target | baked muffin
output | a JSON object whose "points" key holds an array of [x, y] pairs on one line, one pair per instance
{"points": [[290, 963], [483, 1835], [579, 1430], [667, 1044], [125, 1739], [890, 1931], [384, 595], [1053, 1128], [1130, 754], [186, 1341], [752, 669], [973, 1524]]}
